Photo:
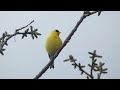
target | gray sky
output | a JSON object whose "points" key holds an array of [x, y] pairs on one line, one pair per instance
{"points": [[24, 59]]}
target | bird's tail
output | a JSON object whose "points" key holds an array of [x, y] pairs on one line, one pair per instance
{"points": [[52, 65]]}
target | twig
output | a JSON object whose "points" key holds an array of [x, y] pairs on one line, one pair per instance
{"points": [[24, 26], [6, 38], [83, 70], [64, 44]]}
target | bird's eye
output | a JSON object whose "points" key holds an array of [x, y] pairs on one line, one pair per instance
{"points": [[57, 31]]}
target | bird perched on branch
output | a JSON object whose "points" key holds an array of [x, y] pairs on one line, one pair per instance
{"points": [[53, 43]]}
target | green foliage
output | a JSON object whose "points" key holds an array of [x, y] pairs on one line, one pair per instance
{"points": [[94, 66], [29, 31]]}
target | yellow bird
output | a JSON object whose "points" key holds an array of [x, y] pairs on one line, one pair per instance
{"points": [[53, 43]]}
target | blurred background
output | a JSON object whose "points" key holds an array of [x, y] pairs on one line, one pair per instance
{"points": [[25, 58]]}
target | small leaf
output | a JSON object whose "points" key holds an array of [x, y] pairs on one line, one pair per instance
{"points": [[104, 72], [98, 76], [71, 57], [8, 35], [95, 64], [25, 35], [82, 72], [99, 13], [35, 30], [90, 53], [89, 65], [66, 60], [38, 33], [94, 52], [73, 60], [22, 36], [98, 56], [79, 65], [32, 36], [35, 34], [102, 64], [32, 33], [86, 12], [75, 66], [31, 27], [2, 52], [0, 38], [6, 44], [3, 35], [3, 49], [105, 69], [91, 57], [82, 66], [87, 77], [94, 60], [26, 31], [95, 70]]}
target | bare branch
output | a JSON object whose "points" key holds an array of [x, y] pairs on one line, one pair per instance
{"points": [[64, 44], [24, 26]]}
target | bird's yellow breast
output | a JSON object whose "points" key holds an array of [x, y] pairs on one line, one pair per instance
{"points": [[53, 43]]}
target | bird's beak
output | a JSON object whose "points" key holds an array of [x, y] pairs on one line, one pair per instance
{"points": [[59, 32]]}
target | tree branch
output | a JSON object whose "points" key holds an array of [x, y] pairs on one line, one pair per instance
{"points": [[82, 70], [5, 37], [65, 43], [24, 26]]}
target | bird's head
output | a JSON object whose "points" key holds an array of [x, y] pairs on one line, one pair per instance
{"points": [[55, 32]]}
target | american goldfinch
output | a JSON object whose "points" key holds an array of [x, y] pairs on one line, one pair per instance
{"points": [[53, 43]]}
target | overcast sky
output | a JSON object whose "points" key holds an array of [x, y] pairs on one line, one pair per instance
{"points": [[25, 58]]}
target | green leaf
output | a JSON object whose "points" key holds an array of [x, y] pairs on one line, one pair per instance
{"points": [[95, 69], [94, 60], [3, 49], [90, 53], [6, 44], [26, 31], [35, 34], [2, 52], [31, 28], [66, 60], [87, 77], [73, 60], [102, 64], [8, 35], [79, 65], [86, 12], [99, 13], [75, 66], [32, 36], [104, 72], [38, 33], [22, 36], [82, 66], [89, 65], [98, 56], [104, 69], [91, 57], [82, 72], [98, 76], [3, 35], [35, 30], [71, 57]]}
